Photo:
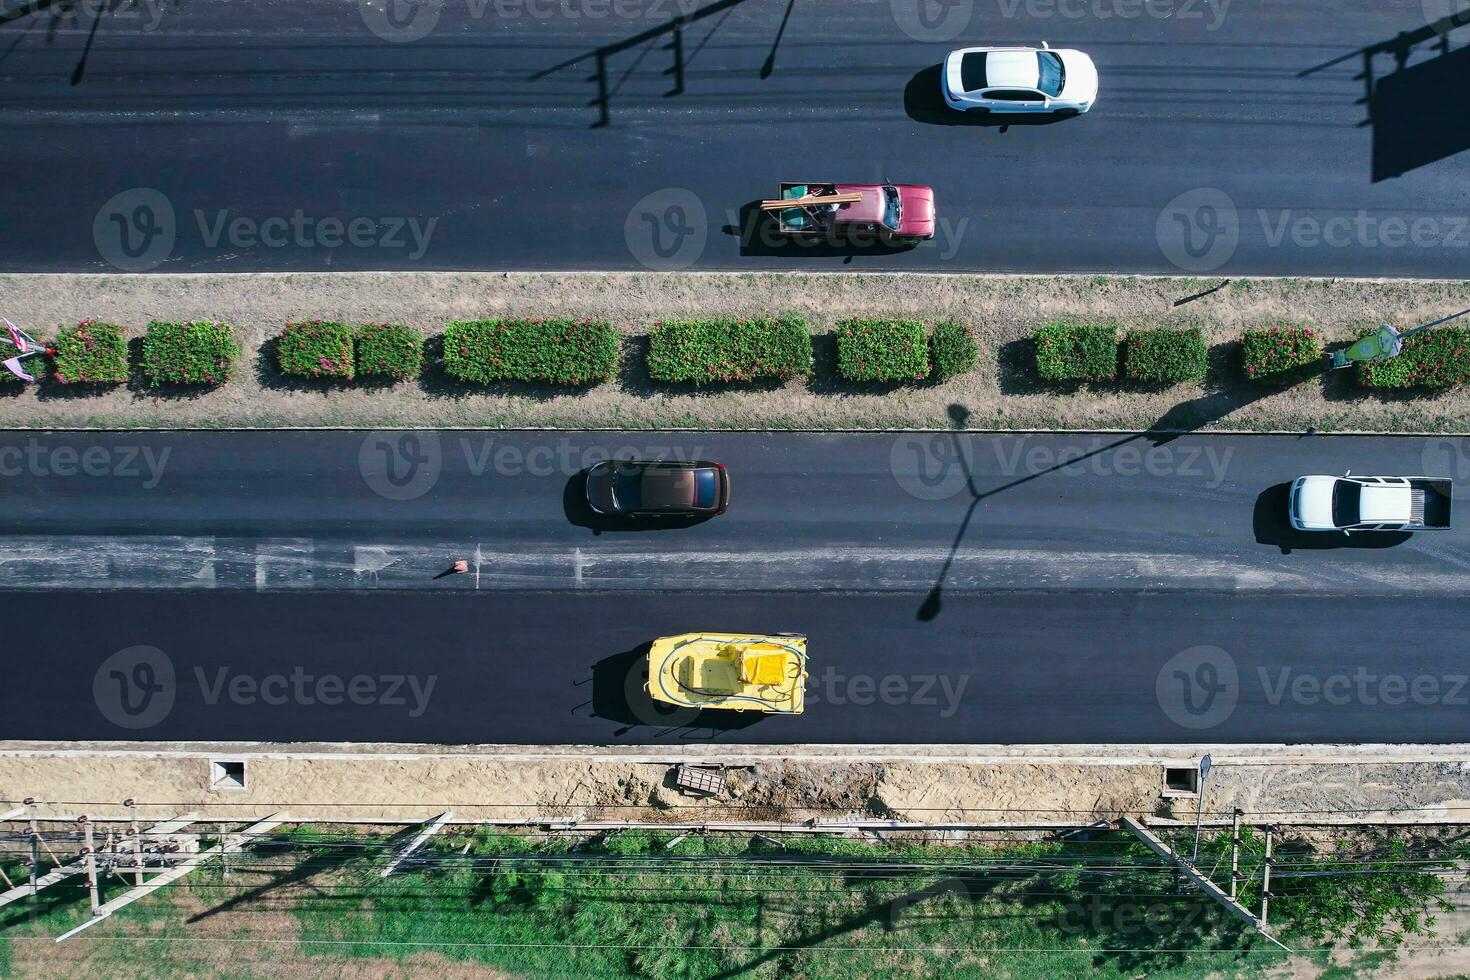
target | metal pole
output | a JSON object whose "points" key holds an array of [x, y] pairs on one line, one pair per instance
{"points": [[224, 861], [91, 857], [1435, 323], [1199, 807], [1234, 850], [135, 834], [35, 857], [30, 801], [1266, 877]]}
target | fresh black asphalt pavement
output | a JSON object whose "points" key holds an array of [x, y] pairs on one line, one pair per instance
{"points": [[1229, 137], [955, 588]]}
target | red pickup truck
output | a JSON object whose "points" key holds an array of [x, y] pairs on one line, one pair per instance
{"points": [[897, 214]]}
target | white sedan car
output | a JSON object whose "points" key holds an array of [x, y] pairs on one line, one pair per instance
{"points": [[1019, 80]]}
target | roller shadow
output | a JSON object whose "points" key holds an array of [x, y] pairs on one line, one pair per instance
{"points": [[620, 695], [1272, 528]]}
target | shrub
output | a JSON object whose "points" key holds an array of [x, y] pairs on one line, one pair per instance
{"points": [[568, 352], [316, 349], [1279, 353], [882, 350], [952, 349], [1165, 355], [389, 349], [729, 350], [91, 353], [1065, 352], [1437, 358], [189, 353]]}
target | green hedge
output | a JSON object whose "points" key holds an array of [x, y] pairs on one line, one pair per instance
{"points": [[1066, 352], [952, 349], [1437, 358], [90, 353], [729, 350], [1165, 355], [1279, 353], [882, 350], [389, 349], [567, 352], [189, 353], [316, 349]]}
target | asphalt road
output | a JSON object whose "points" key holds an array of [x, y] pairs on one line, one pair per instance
{"points": [[555, 668], [1230, 136], [955, 588]]}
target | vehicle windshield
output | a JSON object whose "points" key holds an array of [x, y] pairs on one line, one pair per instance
{"points": [[627, 486], [706, 488], [1345, 498], [893, 207], [1053, 74]]}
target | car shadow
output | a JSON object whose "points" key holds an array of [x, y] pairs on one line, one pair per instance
{"points": [[1272, 528], [620, 695], [923, 103], [760, 234], [580, 514]]}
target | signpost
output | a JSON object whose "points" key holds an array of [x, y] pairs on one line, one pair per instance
{"points": [[25, 346]]}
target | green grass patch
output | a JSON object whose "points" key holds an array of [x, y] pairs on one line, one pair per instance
{"points": [[952, 349], [1165, 355], [1437, 358], [316, 349], [199, 353], [389, 350], [90, 353], [562, 352], [702, 351], [1280, 353], [882, 350], [1073, 352]]}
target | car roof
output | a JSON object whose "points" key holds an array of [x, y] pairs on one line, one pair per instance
{"points": [[1012, 69], [666, 486], [1384, 505]]}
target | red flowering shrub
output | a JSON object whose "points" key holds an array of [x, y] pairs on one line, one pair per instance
{"points": [[316, 349], [702, 351], [882, 350], [200, 353], [1437, 358], [1279, 353], [91, 353], [565, 352]]}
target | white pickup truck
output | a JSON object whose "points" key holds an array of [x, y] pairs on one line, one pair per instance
{"points": [[1350, 503]]}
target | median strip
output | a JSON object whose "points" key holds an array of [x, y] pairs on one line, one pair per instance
{"points": [[717, 350]]}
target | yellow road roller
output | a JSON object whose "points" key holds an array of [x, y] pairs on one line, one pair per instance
{"points": [[730, 671]]}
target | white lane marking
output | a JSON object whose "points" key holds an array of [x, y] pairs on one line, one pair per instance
{"points": [[127, 562]]}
